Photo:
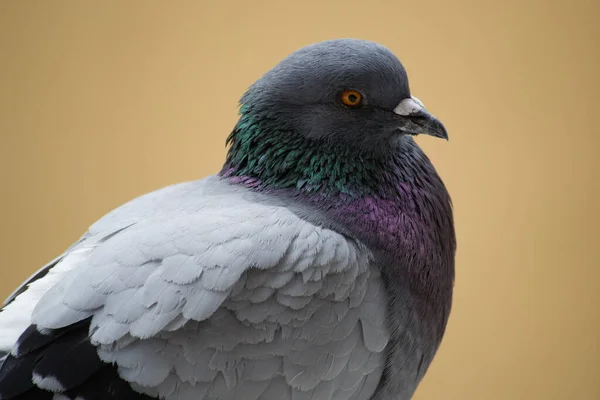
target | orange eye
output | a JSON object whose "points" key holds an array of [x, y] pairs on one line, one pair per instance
{"points": [[351, 98]]}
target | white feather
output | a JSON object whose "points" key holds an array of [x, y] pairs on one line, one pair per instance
{"points": [[47, 382], [16, 316]]}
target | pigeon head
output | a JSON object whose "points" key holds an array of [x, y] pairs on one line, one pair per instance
{"points": [[346, 90], [327, 103]]}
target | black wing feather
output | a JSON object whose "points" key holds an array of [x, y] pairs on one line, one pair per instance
{"points": [[67, 356]]}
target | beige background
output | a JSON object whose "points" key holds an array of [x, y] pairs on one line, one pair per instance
{"points": [[103, 101]]}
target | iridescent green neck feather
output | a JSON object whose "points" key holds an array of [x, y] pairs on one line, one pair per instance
{"points": [[280, 159]]}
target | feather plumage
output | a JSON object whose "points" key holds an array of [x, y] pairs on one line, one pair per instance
{"points": [[318, 264]]}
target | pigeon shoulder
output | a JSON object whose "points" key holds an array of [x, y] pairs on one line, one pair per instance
{"points": [[148, 273], [180, 228]]}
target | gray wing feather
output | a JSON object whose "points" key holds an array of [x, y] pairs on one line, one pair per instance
{"points": [[220, 289]]}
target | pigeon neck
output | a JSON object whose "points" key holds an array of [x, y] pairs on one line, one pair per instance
{"points": [[263, 155]]}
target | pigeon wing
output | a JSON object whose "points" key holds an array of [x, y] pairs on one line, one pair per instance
{"points": [[134, 295]]}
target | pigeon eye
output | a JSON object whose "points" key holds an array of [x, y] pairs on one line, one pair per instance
{"points": [[351, 98]]}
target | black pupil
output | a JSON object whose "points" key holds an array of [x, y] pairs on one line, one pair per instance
{"points": [[353, 98]]}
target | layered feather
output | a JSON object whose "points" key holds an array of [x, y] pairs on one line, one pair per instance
{"points": [[192, 297]]}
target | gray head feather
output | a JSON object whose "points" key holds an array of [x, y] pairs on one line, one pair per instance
{"points": [[319, 72], [302, 95]]}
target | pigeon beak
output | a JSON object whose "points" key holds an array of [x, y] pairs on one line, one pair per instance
{"points": [[417, 120]]}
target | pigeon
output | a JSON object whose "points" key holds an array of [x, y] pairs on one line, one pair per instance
{"points": [[317, 264]]}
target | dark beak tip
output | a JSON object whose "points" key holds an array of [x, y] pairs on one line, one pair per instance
{"points": [[445, 136], [433, 126], [438, 131]]}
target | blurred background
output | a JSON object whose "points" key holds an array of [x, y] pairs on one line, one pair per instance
{"points": [[103, 101]]}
